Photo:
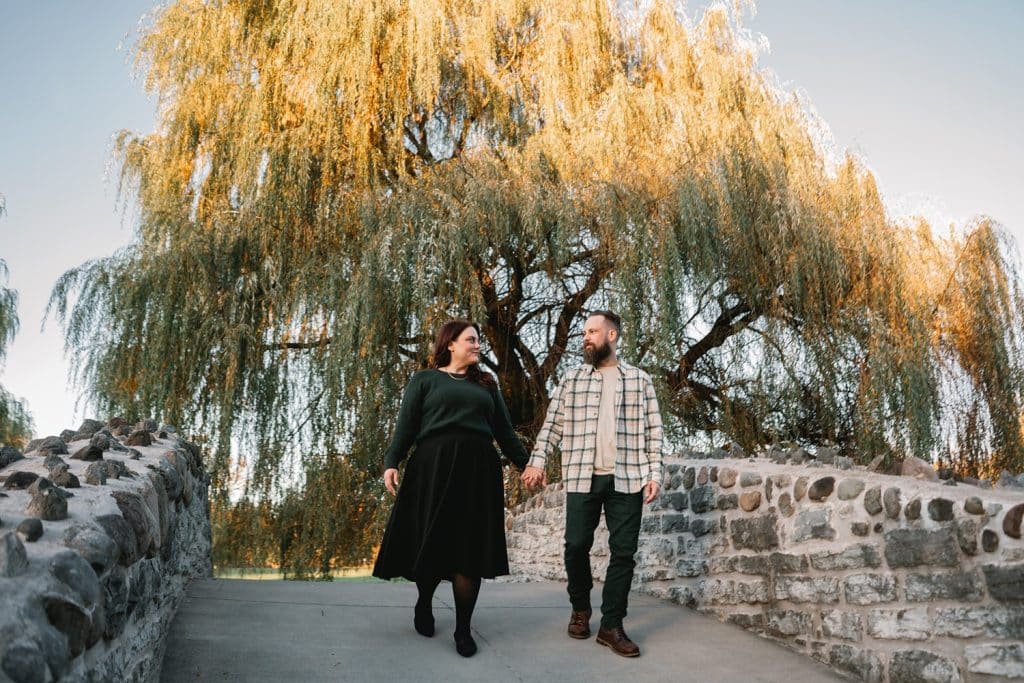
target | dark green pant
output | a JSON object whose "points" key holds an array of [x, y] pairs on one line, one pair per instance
{"points": [[622, 515]]}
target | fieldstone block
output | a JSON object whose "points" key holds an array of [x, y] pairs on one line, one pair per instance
{"points": [[788, 622], [139, 438], [940, 509], [781, 563], [701, 526], [750, 500], [702, 499], [851, 557], [968, 622], [649, 524], [960, 586], [728, 501], [863, 664], [891, 502], [812, 524], [915, 547], [819, 589], [98, 549], [786, 505], [689, 475], [989, 541], [860, 528], [849, 489], [48, 502], [800, 488], [19, 481], [67, 479], [913, 510], [139, 518], [873, 500], [967, 536], [96, 474], [750, 479], [996, 659], [821, 489], [727, 477], [674, 523], [30, 529], [689, 567], [676, 500], [1012, 521], [839, 624], [24, 662], [920, 666], [751, 622], [9, 454], [88, 453], [899, 624], [13, 558], [741, 564], [1005, 583], [729, 592], [974, 506], [702, 476], [51, 445], [870, 589], [757, 533]]}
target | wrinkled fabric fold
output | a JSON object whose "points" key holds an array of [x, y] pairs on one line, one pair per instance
{"points": [[449, 515]]}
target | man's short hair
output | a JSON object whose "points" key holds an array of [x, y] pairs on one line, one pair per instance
{"points": [[611, 317]]}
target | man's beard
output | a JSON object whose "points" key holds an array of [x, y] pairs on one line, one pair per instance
{"points": [[595, 355]]}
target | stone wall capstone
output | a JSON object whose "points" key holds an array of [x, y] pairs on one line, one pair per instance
{"points": [[884, 578], [101, 529]]}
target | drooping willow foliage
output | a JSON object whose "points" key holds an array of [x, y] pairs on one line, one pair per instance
{"points": [[15, 421], [331, 179]]}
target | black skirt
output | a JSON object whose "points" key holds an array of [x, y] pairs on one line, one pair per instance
{"points": [[449, 516]]}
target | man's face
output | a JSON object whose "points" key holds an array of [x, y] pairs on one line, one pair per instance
{"points": [[598, 339]]}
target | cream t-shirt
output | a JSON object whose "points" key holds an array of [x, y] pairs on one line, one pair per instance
{"points": [[604, 456]]}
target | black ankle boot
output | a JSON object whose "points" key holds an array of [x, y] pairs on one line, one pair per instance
{"points": [[464, 644], [423, 620]]}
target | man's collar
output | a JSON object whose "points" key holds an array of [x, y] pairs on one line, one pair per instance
{"points": [[621, 365]]}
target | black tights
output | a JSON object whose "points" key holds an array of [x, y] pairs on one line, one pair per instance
{"points": [[465, 590]]}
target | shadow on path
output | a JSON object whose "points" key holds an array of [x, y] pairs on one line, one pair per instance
{"points": [[235, 630]]}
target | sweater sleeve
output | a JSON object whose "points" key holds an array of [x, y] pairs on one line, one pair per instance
{"points": [[505, 435], [408, 426]]}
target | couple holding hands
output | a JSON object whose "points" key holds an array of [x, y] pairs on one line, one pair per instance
{"points": [[448, 522]]}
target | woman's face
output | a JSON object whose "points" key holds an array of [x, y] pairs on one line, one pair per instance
{"points": [[465, 349]]}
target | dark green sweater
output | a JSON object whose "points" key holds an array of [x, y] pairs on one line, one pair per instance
{"points": [[434, 402]]}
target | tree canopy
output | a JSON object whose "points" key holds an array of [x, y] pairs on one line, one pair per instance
{"points": [[15, 421], [331, 179]]}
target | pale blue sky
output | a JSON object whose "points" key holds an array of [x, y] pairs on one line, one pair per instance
{"points": [[929, 93]]}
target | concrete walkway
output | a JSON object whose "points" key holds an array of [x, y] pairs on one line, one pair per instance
{"points": [[233, 630]]}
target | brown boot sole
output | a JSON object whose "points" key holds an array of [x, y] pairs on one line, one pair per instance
{"points": [[580, 637], [602, 641]]}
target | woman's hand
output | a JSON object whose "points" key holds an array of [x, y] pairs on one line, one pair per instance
{"points": [[391, 480]]}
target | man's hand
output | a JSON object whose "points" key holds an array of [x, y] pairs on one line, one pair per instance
{"points": [[533, 477], [651, 490], [391, 480]]}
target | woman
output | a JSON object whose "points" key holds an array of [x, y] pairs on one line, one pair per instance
{"points": [[448, 521]]}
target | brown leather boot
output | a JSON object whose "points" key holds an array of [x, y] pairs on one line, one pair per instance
{"points": [[618, 641], [579, 624]]}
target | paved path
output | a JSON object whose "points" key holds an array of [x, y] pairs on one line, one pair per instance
{"points": [[234, 630]]}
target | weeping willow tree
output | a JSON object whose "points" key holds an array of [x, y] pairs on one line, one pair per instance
{"points": [[15, 421], [331, 179]]}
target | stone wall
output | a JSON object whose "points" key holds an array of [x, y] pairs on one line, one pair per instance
{"points": [[884, 578], [101, 530]]}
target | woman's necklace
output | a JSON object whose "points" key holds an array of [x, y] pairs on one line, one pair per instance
{"points": [[458, 379]]}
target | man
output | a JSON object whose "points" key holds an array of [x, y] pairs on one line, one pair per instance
{"points": [[604, 417]]}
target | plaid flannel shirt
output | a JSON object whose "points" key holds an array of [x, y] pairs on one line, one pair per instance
{"points": [[571, 424]]}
